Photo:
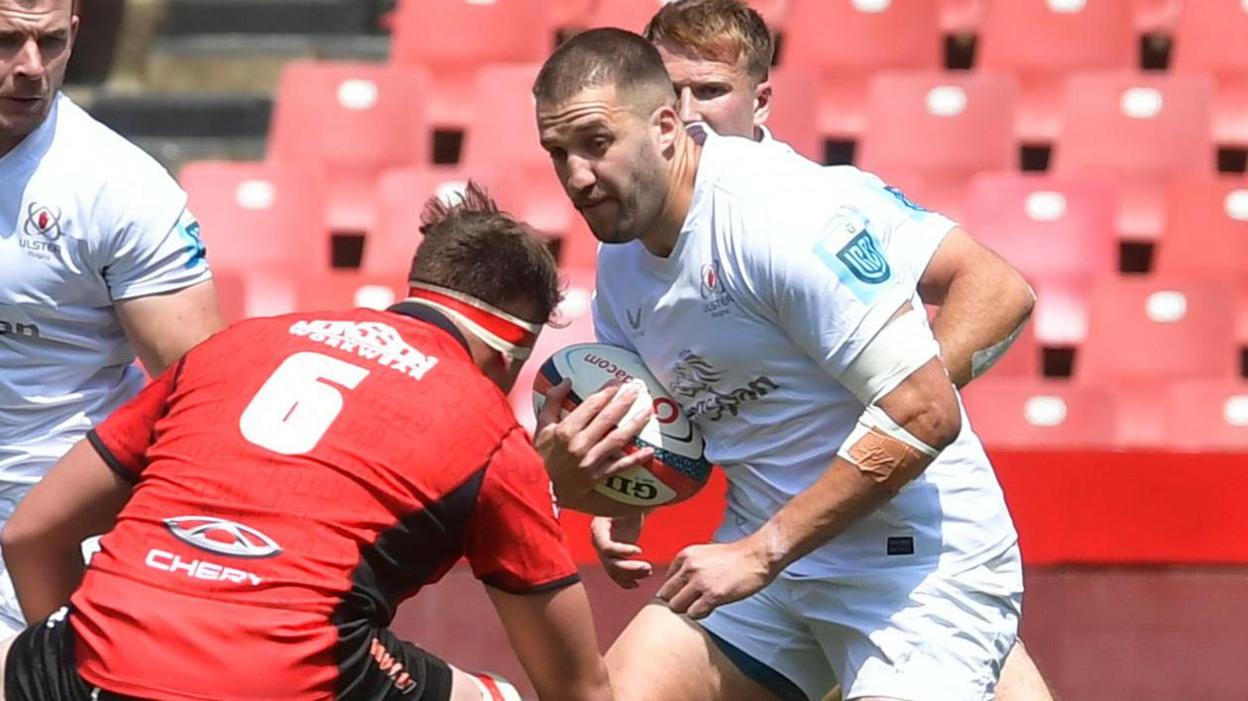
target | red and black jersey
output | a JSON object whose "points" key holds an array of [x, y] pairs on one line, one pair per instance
{"points": [[296, 478]]}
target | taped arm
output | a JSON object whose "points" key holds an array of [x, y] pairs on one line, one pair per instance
{"points": [[983, 303], [911, 414]]}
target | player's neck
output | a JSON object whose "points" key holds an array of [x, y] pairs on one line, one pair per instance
{"points": [[682, 176]]}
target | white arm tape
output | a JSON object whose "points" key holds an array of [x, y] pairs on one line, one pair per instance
{"points": [[904, 345], [874, 417]]}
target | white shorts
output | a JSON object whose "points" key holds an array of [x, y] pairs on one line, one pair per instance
{"points": [[906, 634]]}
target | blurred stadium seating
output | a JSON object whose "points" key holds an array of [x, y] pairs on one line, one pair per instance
{"points": [[362, 91], [288, 121], [356, 115]]}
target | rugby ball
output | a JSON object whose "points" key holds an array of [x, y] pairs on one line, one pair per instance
{"points": [[679, 467]]}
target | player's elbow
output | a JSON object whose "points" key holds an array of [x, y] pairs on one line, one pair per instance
{"points": [[19, 536], [926, 405], [937, 423]]}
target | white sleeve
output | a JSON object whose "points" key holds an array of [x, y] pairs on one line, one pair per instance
{"points": [[155, 244], [909, 232], [832, 291]]}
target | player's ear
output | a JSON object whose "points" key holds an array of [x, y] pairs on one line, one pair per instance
{"points": [[667, 125], [762, 103]]}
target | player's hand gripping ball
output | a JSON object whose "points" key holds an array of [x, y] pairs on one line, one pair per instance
{"points": [[679, 467]]}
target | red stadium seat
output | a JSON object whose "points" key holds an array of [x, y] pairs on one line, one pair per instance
{"points": [[255, 292], [356, 119], [573, 324], [258, 214], [502, 150], [1158, 16], [571, 13], [1161, 327], [1206, 227], [1208, 415], [503, 132], [1059, 232], [342, 289], [453, 38], [1044, 41], [1023, 413], [401, 195], [632, 15], [794, 111], [1241, 315], [847, 40], [943, 127], [962, 16], [537, 201], [1210, 39], [1138, 130]]}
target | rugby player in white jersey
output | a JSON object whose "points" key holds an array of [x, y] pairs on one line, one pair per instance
{"points": [[99, 258], [719, 55], [865, 538]]}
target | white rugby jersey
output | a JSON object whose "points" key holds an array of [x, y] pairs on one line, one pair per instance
{"points": [[86, 219], [783, 271]]}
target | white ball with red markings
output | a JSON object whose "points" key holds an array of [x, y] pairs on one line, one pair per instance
{"points": [[679, 467]]}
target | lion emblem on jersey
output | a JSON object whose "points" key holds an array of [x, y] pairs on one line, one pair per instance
{"points": [[694, 375]]}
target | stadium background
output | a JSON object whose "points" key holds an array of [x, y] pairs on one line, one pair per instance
{"points": [[1100, 145]]}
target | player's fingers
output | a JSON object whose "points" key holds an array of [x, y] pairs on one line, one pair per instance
{"points": [[572, 425], [603, 436], [611, 548], [553, 404], [603, 469], [676, 577], [636, 569], [629, 573], [701, 608], [680, 601]]}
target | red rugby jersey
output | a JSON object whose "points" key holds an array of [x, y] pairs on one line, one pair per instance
{"points": [[296, 478]]}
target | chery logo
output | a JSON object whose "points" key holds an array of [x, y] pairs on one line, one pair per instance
{"points": [[224, 537]]}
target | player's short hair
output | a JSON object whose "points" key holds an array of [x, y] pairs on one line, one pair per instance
{"points": [[728, 31], [602, 57], [472, 247]]}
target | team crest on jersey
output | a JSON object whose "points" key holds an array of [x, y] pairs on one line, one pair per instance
{"points": [[712, 289], [864, 260], [43, 221]]}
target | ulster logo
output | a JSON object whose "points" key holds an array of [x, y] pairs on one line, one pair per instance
{"points": [[42, 221], [864, 259], [710, 280]]}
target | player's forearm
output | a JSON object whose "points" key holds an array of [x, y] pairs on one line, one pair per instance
{"points": [[870, 468], [44, 575], [981, 315], [838, 499]]}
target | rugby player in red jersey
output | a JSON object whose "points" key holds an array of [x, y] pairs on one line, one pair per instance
{"points": [[277, 493]]}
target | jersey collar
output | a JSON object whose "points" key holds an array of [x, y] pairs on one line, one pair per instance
{"points": [[431, 316]]}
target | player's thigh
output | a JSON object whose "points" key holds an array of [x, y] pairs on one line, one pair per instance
{"points": [[661, 656], [1021, 679], [728, 657]]}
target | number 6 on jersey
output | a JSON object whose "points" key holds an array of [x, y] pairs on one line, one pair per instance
{"points": [[297, 404]]}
